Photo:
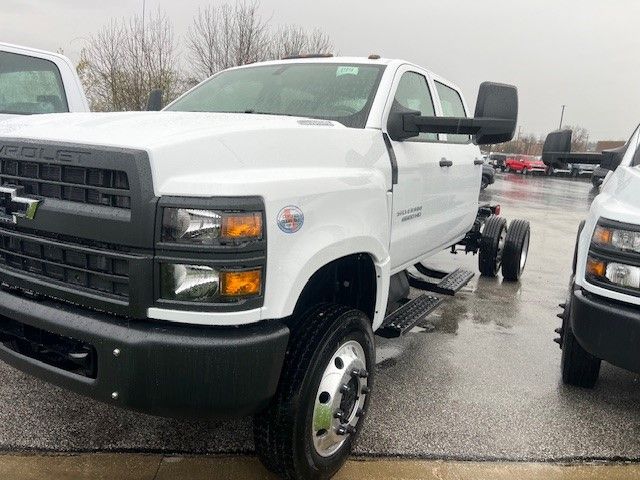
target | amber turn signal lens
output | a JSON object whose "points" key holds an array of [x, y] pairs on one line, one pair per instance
{"points": [[242, 225], [240, 283], [602, 235], [597, 268]]}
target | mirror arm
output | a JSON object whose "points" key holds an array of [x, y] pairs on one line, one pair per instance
{"points": [[590, 158], [452, 125]]}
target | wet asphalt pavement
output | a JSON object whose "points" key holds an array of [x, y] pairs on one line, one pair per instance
{"points": [[480, 381]]}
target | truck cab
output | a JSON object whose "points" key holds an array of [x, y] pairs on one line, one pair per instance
{"points": [[601, 315], [234, 253], [35, 82]]}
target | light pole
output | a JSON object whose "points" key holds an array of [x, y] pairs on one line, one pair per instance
{"points": [[561, 116]]}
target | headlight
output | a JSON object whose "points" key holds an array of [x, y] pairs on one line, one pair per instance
{"points": [[616, 273], [196, 283], [192, 226], [200, 283], [625, 240]]}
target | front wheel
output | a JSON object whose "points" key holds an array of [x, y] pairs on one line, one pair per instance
{"points": [[323, 396], [516, 249]]}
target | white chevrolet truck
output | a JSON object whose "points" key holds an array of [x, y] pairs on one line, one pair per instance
{"points": [[601, 316], [235, 253], [35, 81]]}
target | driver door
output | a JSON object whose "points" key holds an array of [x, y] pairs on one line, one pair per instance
{"points": [[423, 196]]}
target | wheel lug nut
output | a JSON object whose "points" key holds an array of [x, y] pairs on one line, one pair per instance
{"points": [[339, 414], [344, 388], [362, 373], [346, 430]]}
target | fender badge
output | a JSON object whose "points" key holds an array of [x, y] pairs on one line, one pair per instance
{"points": [[290, 219]]}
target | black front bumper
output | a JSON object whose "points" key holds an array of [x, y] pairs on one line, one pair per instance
{"points": [[608, 330], [160, 368]]}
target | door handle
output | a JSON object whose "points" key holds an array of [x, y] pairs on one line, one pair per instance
{"points": [[445, 163]]}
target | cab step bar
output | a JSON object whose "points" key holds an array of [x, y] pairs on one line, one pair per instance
{"points": [[408, 316], [448, 284]]}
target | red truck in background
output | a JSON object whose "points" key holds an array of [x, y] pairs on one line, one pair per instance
{"points": [[525, 164]]}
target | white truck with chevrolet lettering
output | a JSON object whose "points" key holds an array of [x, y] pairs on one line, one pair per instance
{"points": [[34, 82], [601, 316], [234, 253]]}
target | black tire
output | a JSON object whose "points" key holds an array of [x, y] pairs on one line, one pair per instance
{"points": [[484, 183], [282, 432], [491, 246], [516, 246], [579, 367]]}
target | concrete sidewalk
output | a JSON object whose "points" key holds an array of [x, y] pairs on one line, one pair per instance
{"points": [[124, 466]]}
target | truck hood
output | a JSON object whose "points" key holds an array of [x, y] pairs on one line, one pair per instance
{"points": [[204, 154], [619, 197], [7, 116], [141, 130]]}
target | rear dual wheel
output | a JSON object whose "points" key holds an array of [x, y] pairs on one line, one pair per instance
{"points": [[516, 250], [502, 247], [317, 413], [492, 245]]}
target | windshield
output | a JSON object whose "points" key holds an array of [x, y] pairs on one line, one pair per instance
{"points": [[30, 85], [340, 92]]}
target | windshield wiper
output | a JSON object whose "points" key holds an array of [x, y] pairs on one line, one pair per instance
{"points": [[255, 112]]}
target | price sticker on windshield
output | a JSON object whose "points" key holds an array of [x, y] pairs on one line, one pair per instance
{"points": [[347, 70]]}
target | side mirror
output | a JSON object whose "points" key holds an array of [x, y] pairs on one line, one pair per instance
{"points": [[611, 159], [495, 118], [154, 102], [556, 152], [556, 146], [496, 101]]}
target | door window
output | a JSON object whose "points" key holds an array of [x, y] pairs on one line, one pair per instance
{"points": [[452, 106], [413, 94], [30, 85]]}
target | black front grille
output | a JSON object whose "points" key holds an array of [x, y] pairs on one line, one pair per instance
{"points": [[97, 186], [78, 266]]}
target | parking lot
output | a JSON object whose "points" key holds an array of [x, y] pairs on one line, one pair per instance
{"points": [[480, 381]]}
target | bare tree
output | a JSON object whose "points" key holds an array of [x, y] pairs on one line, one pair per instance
{"points": [[579, 138], [127, 59], [227, 36], [294, 40], [230, 35]]}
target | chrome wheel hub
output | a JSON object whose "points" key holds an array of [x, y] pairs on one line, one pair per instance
{"points": [[340, 399], [501, 240], [524, 254]]}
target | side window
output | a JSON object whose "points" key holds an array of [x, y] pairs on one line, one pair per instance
{"points": [[30, 85], [452, 106], [413, 94]]}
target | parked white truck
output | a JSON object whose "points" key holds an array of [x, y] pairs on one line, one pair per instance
{"points": [[235, 253], [34, 82], [601, 315]]}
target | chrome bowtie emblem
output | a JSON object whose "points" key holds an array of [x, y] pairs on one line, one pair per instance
{"points": [[14, 205]]}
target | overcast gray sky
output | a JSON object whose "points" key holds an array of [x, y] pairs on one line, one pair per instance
{"points": [[581, 53]]}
